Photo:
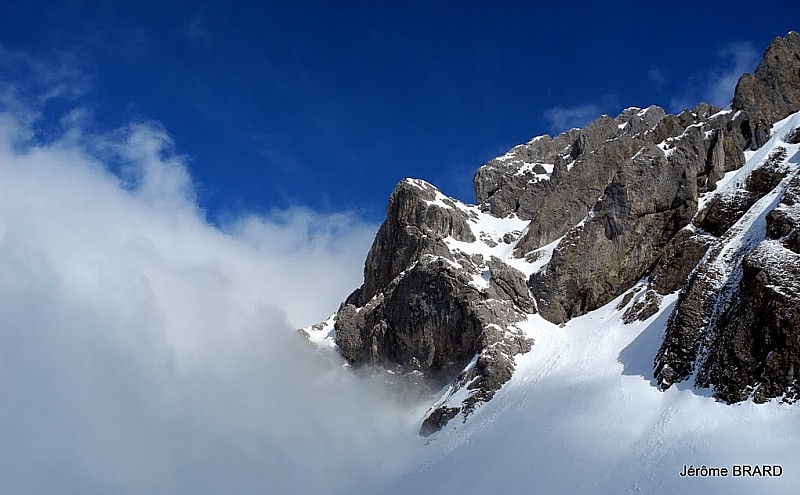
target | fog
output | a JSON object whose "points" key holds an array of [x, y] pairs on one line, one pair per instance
{"points": [[144, 350]]}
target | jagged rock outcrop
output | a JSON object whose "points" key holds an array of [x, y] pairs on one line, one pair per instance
{"points": [[647, 202], [773, 91], [678, 258], [405, 236], [646, 306], [428, 308], [726, 209], [504, 178], [756, 352], [649, 198]]}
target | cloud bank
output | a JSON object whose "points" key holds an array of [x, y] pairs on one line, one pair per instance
{"points": [[143, 350]]}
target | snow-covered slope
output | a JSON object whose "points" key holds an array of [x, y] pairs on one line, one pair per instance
{"points": [[582, 414]]}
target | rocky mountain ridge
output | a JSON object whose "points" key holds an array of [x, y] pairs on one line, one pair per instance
{"points": [[644, 204]]}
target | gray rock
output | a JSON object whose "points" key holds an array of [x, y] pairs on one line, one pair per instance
{"points": [[628, 297], [753, 351], [503, 189], [508, 283], [620, 198], [773, 91], [437, 420], [426, 320], [647, 305], [634, 121], [648, 201], [756, 350], [678, 258], [413, 227], [676, 357], [715, 311], [502, 174], [418, 313], [556, 206], [793, 137], [593, 136]]}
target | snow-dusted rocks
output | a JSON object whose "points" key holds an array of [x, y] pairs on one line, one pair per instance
{"points": [[736, 326], [441, 298]]}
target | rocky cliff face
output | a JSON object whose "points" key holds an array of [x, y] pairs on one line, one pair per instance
{"points": [[704, 202], [441, 296]]}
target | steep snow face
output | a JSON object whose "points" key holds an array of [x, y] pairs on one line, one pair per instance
{"points": [[583, 415]]}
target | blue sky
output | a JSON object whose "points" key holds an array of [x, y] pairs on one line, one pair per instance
{"points": [[328, 104]]}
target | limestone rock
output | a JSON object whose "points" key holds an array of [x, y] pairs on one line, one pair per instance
{"points": [[773, 91], [716, 322], [414, 225], [648, 201], [756, 352], [647, 305], [438, 419], [589, 215], [678, 258], [427, 309], [726, 209], [755, 349], [499, 183]]}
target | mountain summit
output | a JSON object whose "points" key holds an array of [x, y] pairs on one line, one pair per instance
{"points": [[699, 208]]}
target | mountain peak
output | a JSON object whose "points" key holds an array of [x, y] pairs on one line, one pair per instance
{"points": [[697, 207]]}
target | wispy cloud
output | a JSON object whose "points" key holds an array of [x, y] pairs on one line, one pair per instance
{"points": [[656, 76], [717, 85], [563, 118], [741, 58], [195, 29], [33, 81]]}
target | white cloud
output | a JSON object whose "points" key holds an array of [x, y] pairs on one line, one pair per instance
{"points": [[564, 118], [741, 58], [716, 87], [143, 350], [60, 75], [656, 76]]}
